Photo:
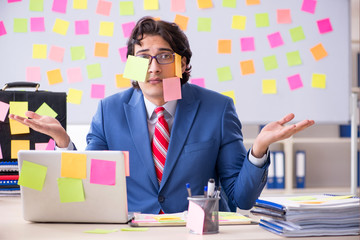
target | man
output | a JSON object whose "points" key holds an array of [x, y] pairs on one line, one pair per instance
{"points": [[205, 133]]}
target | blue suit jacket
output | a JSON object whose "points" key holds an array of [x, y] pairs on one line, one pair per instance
{"points": [[205, 142]]}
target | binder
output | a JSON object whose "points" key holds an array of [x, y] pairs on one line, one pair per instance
{"points": [[271, 172], [300, 159], [279, 169]]}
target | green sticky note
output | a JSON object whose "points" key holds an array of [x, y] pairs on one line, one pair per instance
{"points": [[297, 34], [224, 74], [262, 19], [46, 110], [137, 229], [136, 68], [229, 3], [101, 231], [126, 8], [36, 5], [32, 175], [20, 25], [71, 190], [293, 58], [270, 62], [94, 71], [204, 24], [77, 53]]}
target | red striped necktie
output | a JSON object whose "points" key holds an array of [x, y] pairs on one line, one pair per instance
{"points": [[160, 142]]}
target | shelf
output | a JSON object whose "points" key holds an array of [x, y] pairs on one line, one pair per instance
{"points": [[308, 140], [304, 191]]}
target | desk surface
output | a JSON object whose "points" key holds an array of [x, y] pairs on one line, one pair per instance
{"points": [[12, 226]]}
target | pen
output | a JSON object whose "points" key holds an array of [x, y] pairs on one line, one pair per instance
{"points": [[218, 192], [205, 191], [211, 187], [188, 189]]}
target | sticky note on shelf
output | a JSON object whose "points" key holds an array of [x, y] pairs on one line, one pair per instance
{"points": [[32, 175], [17, 145], [136, 68], [74, 96], [54, 76], [71, 190], [73, 165], [269, 86], [318, 80], [171, 89], [102, 172]]}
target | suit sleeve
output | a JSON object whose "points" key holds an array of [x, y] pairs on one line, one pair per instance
{"points": [[241, 180]]}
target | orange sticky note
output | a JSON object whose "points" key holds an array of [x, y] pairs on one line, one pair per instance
{"points": [[54, 76], [18, 108], [101, 49], [18, 128], [17, 145], [247, 67], [252, 2], [318, 52], [205, 3], [178, 69], [122, 82], [73, 165], [182, 21], [127, 163], [224, 46]]}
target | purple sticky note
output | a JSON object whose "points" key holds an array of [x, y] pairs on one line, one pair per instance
{"points": [[37, 24], [275, 39], [97, 91], [59, 6], [171, 89], [247, 44], [50, 145], [33, 74], [127, 28], [123, 54], [82, 27], [198, 81], [295, 82], [4, 108], [308, 6], [102, 172], [324, 25], [74, 75], [2, 28]]}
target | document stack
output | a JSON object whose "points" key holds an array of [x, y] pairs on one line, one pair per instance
{"points": [[314, 215]]}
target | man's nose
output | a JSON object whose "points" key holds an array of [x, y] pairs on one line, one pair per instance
{"points": [[154, 66]]}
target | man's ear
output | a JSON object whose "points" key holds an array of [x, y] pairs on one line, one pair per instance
{"points": [[183, 64]]}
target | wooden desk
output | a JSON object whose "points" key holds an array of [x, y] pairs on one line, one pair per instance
{"points": [[13, 227]]}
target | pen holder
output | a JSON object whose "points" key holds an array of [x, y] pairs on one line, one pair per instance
{"points": [[203, 215]]}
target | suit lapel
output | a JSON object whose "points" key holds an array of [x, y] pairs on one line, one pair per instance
{"points": [[137, 121]]}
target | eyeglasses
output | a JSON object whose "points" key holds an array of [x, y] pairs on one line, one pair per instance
{"points": [[162, 58]]}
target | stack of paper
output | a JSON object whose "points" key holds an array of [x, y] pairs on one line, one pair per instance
{"points": [[315, 215]]}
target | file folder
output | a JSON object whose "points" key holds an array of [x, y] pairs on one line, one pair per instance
{"points": [[279, 169], [271, 172], [300, 159]]}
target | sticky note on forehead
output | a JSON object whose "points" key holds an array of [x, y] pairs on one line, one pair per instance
{"points": [[178, 69], [136, 68]]}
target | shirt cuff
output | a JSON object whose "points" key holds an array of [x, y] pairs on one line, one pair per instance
{"points": [[259, 162], [70, 147]]}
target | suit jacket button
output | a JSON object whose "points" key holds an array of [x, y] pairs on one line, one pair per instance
{"points": [[161, 199]]}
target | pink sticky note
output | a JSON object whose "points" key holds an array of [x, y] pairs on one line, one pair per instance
{"points": [[295, 82], [12, 1], [127, 163], [82, 27], [56, 53], [103, 7], [127, 28], [123, 54], [283, 16], [171, 89], [324, 25], [59, 6], [275, 39], [195, 218], [4, 108], [2, 28], [33, 74], [247, 44], [40, 146], [309, 6], [50, 145], [178, 5], [37, 24], [97, 91], [74, 75], [102, 172], [198, 81]]}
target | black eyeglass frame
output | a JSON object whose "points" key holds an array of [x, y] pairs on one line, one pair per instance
{"points": [[148, 56]]}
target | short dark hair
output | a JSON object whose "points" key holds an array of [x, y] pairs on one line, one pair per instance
{"points": [[170, 32]]}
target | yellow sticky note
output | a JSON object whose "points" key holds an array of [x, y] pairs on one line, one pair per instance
{"points": [[18, 128], [318, 80], [17, 145], [182, 21], [101, 49], [73, 165], [151, 4], [204, 4], [224, 46], [54, 76], [60, 26], [247, 67], [178, 69], [18, 108], [269, 86], [230, 94], [318, 52], [39, 51], [122, 82], [238, 22], [32, 175], [46, 110], [106, 29], [80, 4], [74, 96]]}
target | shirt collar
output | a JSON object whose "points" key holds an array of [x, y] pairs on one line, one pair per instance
{"points": [[170, 107]]}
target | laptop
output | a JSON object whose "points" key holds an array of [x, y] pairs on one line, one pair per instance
{"points": [[104, 202]]}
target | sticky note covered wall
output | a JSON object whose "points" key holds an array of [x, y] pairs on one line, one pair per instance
{"points": [[271, 57]]}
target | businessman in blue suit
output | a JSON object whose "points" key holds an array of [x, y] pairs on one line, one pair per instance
{"points": [[205, 132]]}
